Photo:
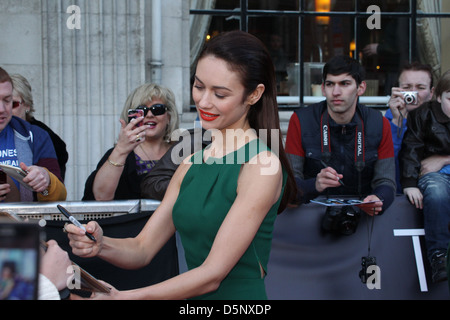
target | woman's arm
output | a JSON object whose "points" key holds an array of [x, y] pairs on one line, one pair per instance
{"points": [[108, 176], [259, 187], [132, 253]]}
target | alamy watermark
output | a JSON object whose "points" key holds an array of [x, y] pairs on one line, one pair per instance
{"points": [[74, 21], [74, 281], [374, 277], [374, 21], [233, 139]]}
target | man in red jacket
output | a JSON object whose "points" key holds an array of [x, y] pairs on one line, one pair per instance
{"points": [[340, 147]]}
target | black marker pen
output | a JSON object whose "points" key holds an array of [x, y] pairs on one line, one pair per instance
{"points": [[75, 222], [326, 166]]}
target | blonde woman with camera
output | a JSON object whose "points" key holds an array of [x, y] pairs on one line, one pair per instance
{"points": [[147, 121]]}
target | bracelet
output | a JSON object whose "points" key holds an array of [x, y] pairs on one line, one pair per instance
{"points": [[118, 165]]}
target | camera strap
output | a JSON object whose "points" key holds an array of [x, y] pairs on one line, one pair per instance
{"points": [[369, 231], [360, 157], [360, 154], [400, 125]]}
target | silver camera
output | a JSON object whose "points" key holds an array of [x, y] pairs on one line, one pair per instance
{"points": [[410, 97]]}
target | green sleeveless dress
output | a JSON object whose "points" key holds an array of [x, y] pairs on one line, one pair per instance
{"points": [[206, 195]]}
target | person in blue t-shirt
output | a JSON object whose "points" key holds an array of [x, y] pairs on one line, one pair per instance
{"points": [[414, 77], [28, 147]]}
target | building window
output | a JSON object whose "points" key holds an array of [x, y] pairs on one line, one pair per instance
{"points": [[303, 34]]}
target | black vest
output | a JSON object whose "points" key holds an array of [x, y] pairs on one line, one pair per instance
{"points": [[343, 142]]}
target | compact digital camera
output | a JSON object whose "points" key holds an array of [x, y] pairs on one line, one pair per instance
{"points": [[341, 220], [366, 262], [410, 97]]}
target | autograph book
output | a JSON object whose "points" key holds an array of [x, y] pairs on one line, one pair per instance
{"points": [[336, 202], [16, 173]]}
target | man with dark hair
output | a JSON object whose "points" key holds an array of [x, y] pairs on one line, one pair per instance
{"points": [[27, 147], [341, 147], [417, 78]]}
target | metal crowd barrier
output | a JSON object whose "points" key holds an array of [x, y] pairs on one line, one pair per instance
{"points": [[308, 263], [305, 262], [86, 211], [119, 219]]}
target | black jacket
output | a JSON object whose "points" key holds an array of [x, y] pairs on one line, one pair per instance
{"points": [[58, 143], [129, 183], [428, 134]]}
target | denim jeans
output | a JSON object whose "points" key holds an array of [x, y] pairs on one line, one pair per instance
{"points": [[435, 188]]}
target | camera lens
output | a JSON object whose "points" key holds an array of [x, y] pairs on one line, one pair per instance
{"points": [[348, 227], [409, 99]]}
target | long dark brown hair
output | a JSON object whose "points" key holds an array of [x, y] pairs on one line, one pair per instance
{"points": [[248, 56]]}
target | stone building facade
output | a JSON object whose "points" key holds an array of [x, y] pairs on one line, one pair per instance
{"points": [[83, 58]]}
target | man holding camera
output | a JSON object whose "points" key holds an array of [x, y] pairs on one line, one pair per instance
{"points": [[415, 88], [340, 147]]}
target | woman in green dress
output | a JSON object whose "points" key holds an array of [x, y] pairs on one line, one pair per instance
{"points": [[223, 200]]}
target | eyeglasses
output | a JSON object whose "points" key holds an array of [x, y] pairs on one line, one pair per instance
{"points": [[16, 104], [156, 109]]}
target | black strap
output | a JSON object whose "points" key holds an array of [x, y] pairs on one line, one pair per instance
{"points": [[360, 157], [370, 231]]}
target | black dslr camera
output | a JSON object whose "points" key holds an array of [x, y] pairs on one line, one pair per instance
{"points": [[366, 262], [341, 220]]}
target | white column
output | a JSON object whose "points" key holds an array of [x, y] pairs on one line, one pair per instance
{"points": [[87, 76]]}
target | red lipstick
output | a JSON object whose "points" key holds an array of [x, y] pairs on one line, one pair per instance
{"points": [[208, 116]]}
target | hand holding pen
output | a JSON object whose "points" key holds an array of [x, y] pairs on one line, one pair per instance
{"points": [[338, 175], [328, 178], [75, 222]]}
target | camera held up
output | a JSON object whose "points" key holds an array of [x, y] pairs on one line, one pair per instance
{"points": [[410, 97]]}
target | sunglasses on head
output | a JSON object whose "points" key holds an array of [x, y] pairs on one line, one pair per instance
{"points": [[156, 109]]}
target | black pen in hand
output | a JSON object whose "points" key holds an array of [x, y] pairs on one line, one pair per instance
{"points": [[75, 222], [326, 166]]}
